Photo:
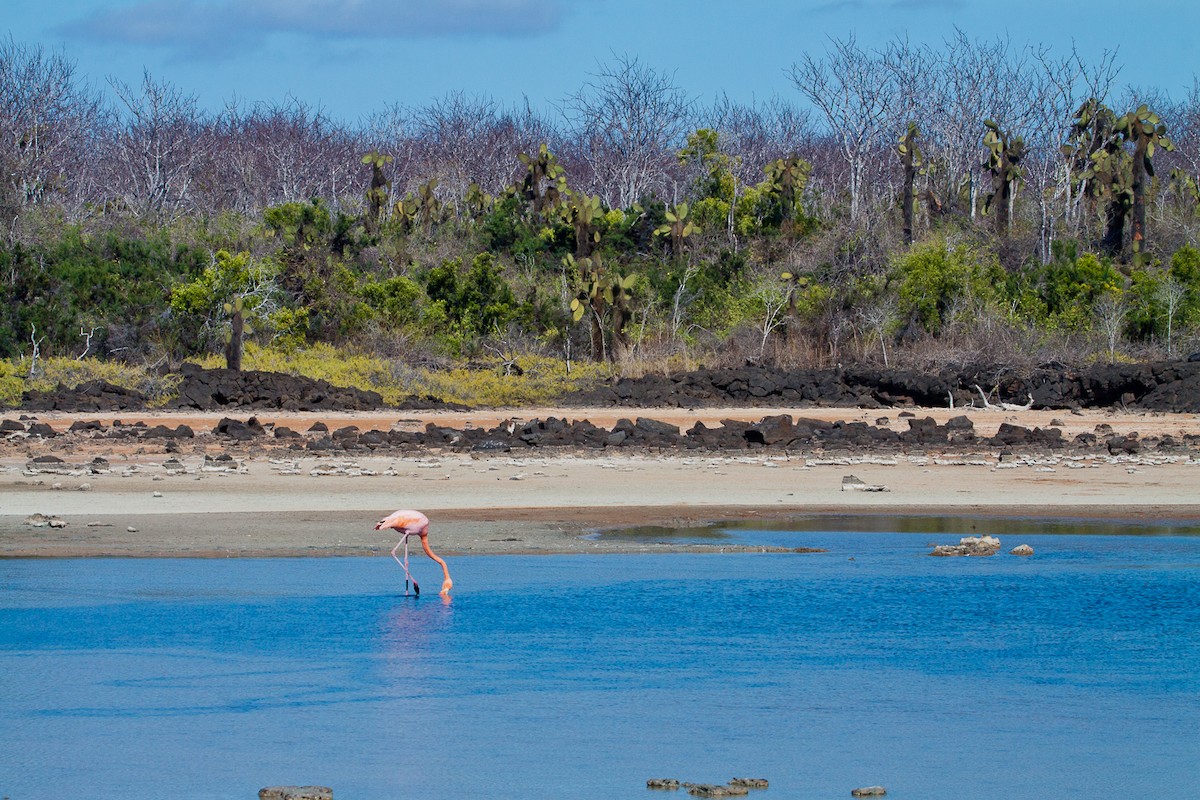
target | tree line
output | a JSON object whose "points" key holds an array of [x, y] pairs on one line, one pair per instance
{"points": [[921, 203]]}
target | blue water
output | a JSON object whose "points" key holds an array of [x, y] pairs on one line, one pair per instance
{"points": [[1072, 674]]}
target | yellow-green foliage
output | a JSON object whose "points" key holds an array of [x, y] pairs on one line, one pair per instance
{"points": [[711, 213], [70, 372], [12, 383], [319, 362], [936, 279], [227, 276], [614, 218], [748, 213], [543, 379]]}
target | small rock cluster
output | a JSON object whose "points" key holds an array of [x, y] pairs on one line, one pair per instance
{"points": [[295, 793], [40, 520], [737, 787]]}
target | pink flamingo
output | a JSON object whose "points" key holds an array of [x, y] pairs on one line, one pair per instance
{"points": [[410, 522]]}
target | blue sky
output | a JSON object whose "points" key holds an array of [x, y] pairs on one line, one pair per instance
{"points": [[354, 57]]}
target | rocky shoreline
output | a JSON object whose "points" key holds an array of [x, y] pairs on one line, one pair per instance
{"points": [[781, 433], [1171, 386]]}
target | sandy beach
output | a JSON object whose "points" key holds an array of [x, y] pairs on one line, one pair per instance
{"points": [[269, 501]]}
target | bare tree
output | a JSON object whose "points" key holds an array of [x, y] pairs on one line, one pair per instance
{"points": [[46, 117], [465, 140], [681, 299], [628, 120], [758, 134], [878, 317], [35, 352], [161, 138], [973, 81], [1110, 311], [775, 298], [1063, 85], [285, 153], [853, 89], [1185, 129], [1171, 294]]}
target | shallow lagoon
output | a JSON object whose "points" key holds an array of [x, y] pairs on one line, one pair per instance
{"points": [[1073, 673]]}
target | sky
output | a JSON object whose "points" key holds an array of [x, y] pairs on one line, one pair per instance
{"points": [[352, 58]]}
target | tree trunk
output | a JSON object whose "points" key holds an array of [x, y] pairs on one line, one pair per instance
{"points": [[1137, 229], [620, 341], [598, 350], [910, 177], [1114, 227], [233, 348], [1002, 188]]}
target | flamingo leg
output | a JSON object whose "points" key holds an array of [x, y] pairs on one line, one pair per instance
{"points": [[404, 565]]}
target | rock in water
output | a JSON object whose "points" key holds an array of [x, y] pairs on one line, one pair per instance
{"points": [[869, 791], [714, 790], [1021, 550], [969, 546], [295, 793]]}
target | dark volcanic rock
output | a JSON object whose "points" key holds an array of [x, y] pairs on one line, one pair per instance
{"points": [[209, 389], [772, 430], [241, 431], [163, 432], [89, 396], [1124, 445], [1160, 386]]}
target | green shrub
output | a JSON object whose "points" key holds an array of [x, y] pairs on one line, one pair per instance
{"points": [[935, 280]]}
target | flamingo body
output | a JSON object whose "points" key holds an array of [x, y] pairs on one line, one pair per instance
{"points": [[406, 521], [409, 523]]}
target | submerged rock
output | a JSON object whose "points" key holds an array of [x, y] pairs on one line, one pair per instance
{"points": [[662, 783], [716, 790], [868, 791]]}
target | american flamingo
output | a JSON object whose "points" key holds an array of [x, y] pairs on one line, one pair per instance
{"points": [[410, 522]]}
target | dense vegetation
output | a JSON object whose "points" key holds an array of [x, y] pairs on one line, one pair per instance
{"points": [[968, 203]]}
